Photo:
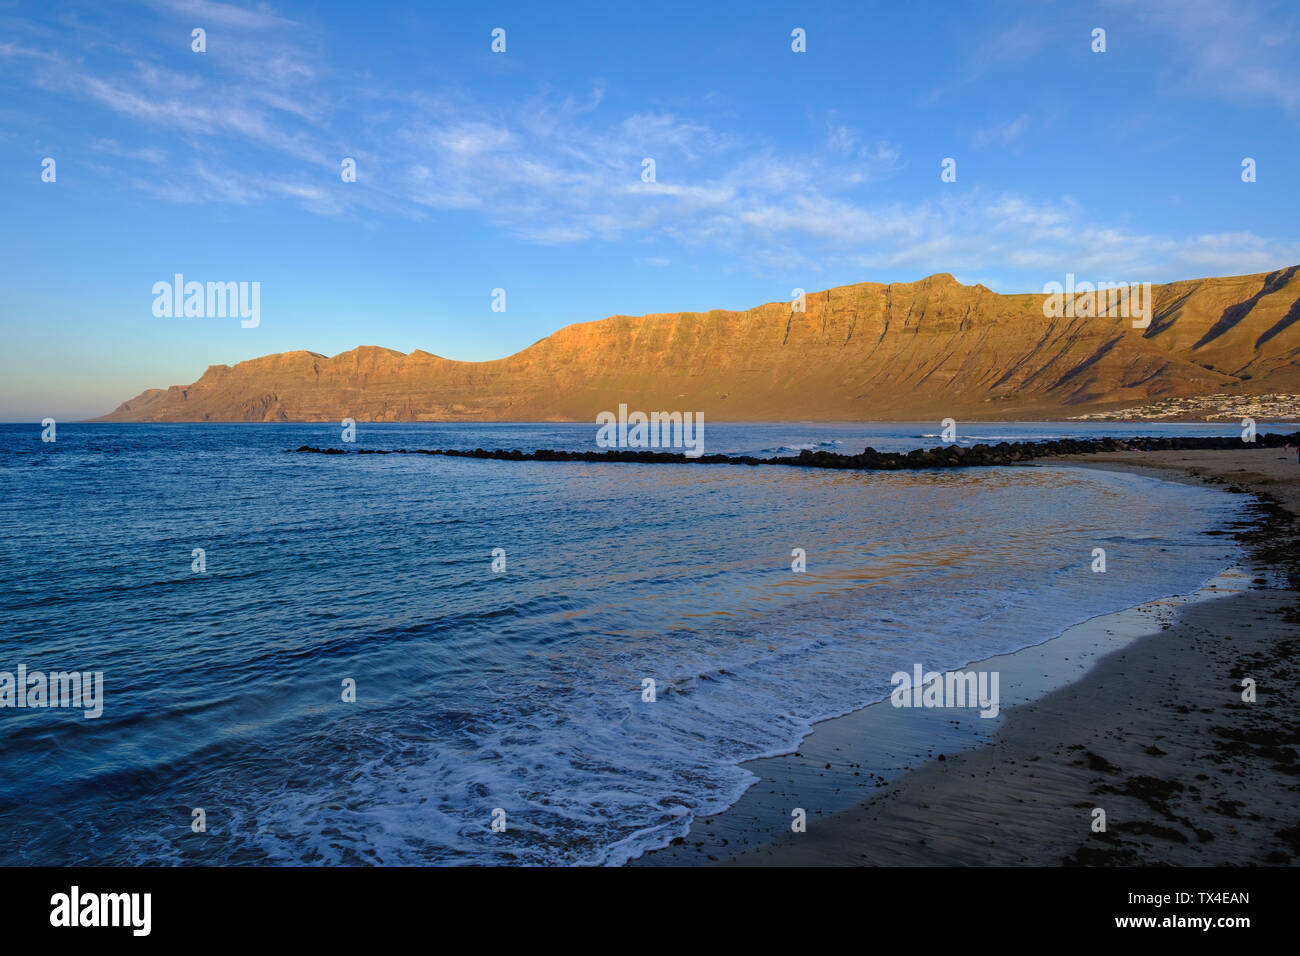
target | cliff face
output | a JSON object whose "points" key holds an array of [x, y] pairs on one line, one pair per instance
{"points": [[922, 350]]}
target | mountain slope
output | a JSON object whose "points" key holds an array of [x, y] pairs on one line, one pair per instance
{"points": [[921, 350]]}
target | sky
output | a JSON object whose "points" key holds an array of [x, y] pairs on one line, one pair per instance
{"points": [[523, 170]]}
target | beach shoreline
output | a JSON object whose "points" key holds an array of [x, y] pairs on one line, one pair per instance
{"points": [[1138, 714]]}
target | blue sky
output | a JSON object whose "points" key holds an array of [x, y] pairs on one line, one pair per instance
{"points": [[522, 170]]}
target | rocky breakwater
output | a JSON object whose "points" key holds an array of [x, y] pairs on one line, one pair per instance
{"points": [[943, 456]]}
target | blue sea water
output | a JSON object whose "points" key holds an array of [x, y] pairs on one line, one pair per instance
{"points": [[518, 690]]}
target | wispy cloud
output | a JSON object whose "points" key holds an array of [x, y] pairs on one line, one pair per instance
{"points": [[1000, 134], [1011, 45], [210, 12], [113, 148], [267, 120], [1234, 48]]}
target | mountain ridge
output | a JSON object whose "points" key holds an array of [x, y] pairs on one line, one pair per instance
{"points": [[903, 351]]}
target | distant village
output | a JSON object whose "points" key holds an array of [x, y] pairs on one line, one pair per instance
{"points": [[1207, 408]]}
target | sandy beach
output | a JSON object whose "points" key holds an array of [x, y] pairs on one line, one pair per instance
{"points": [[1139, 714]]}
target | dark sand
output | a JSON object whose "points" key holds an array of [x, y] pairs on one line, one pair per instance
{"points": [[1139, 713]]}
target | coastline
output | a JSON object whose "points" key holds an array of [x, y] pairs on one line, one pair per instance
{"points": [[1228, 421], [1138, 713]]}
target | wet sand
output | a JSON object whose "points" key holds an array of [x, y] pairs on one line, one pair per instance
{"points": [[1139, 714]]}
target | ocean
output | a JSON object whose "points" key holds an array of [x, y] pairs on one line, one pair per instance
{"points": [[512, 694]]}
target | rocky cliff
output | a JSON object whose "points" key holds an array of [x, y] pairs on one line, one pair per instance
{"points": [[921, 351]]}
